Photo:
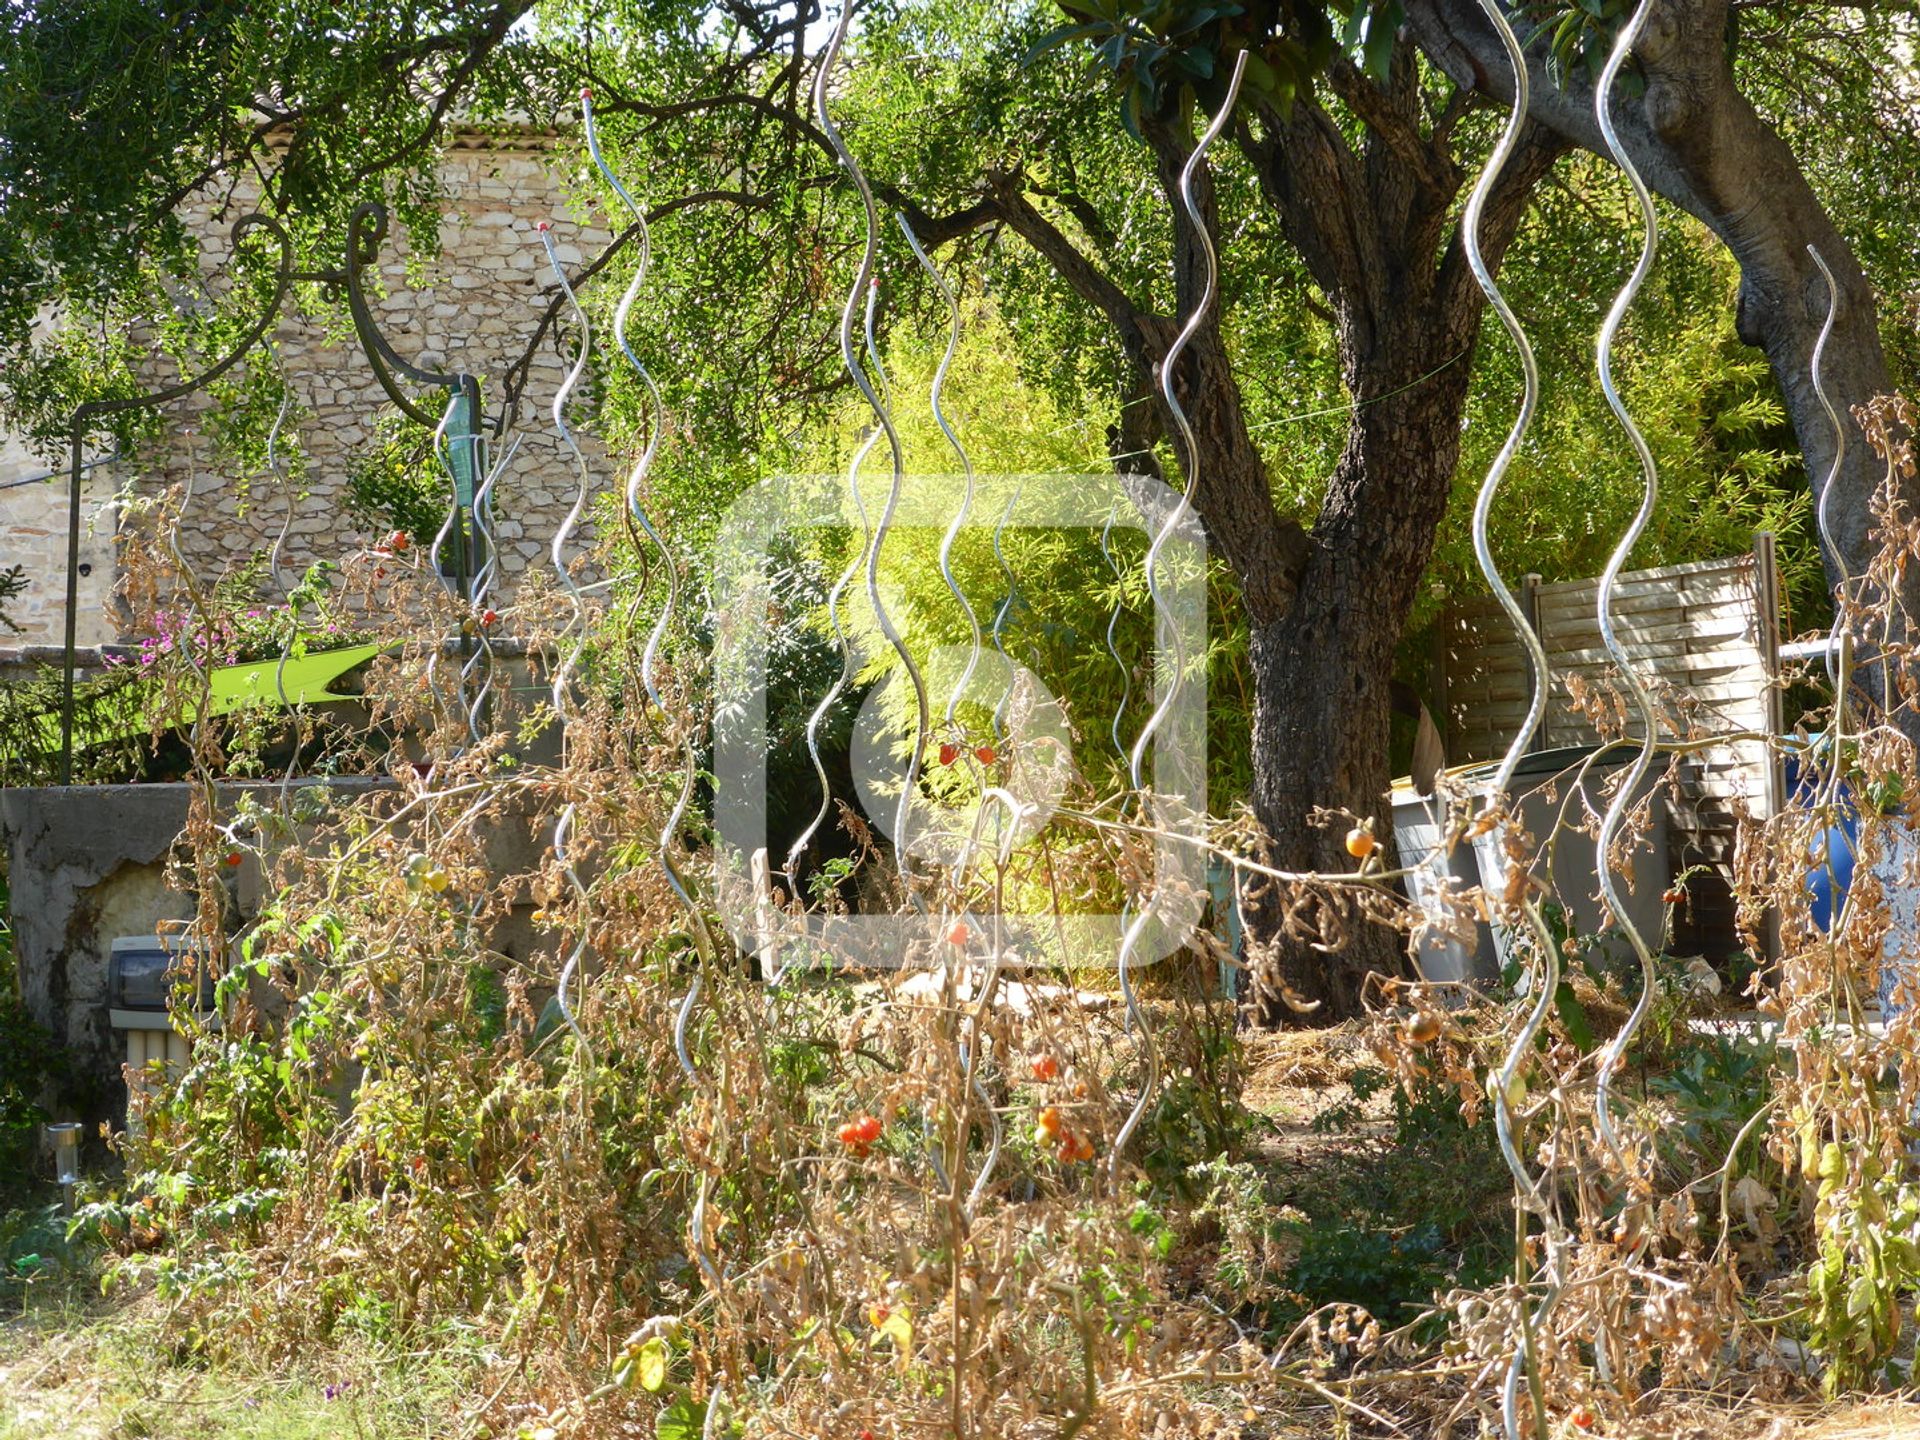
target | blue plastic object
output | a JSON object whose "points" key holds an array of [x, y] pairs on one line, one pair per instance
{"points": [[1830, 874]]}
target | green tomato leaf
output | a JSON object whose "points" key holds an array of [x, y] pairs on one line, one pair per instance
{"points": [[650, 1365], [684, 1419]]}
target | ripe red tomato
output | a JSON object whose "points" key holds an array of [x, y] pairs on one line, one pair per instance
{"points": [[860, 1132]]}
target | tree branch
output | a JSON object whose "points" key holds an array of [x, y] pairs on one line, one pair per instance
{"points": [[1699, 142]]}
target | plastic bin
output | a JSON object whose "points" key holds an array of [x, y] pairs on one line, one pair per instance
{"points": [[1418, 834], [1552, 783]]}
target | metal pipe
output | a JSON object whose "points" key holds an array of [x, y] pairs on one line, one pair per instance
{"points": [[829, 60], [563, 673]]}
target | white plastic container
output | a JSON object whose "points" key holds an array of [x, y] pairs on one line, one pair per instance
{"points": [[1897, 869], [1439, 953]]}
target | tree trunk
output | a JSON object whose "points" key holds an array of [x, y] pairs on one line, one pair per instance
{"points": [[1376, 227], [1324, 670], [1408, 315]]}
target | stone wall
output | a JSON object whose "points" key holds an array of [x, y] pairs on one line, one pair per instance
{"points": [[33, 535], [474, 310]]}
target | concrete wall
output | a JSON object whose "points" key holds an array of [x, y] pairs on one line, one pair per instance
{"points": [[88, 864]]}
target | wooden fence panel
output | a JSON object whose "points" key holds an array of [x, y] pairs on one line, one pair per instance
{"points": [[1705, 634]]}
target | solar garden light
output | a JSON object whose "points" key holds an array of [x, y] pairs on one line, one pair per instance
{"points": [[65, 1139]]}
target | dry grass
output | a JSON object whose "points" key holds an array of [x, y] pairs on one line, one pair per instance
{"points": [[1753, 1418], [93, 1372], [1290, 1060]]}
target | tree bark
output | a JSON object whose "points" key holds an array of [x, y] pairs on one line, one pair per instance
{"points": [[1377, 227], [1408, 315], [1324, 669]]}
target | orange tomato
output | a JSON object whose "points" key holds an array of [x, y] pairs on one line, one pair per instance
{"points": [[1423, 1028], [860, 1132]]}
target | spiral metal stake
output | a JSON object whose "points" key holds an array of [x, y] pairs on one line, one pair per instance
{"points": [[202, 672], [656, 637], [622, 315], [1530, 1189], [281, 472], [1126, 671], [1839, 638], [829, 61], [483, 662], [1137, 1022], [1126, 684], [478, 672], [441, 451], [1009, 812], [834, 599], [453, 525], [970, 1050], [966, 469], [670, 831], [563, 675], [1616, 812], [1003, 612], [279, 469], [637, 514], [1113, 630]]}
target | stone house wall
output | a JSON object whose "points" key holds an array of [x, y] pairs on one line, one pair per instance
{"points": [[90, 864], [474, 311], [33, 535]]}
